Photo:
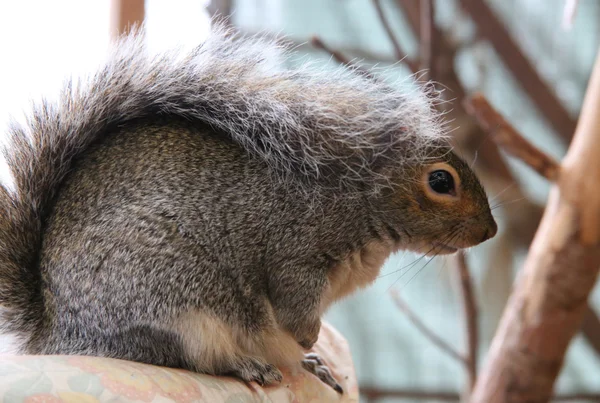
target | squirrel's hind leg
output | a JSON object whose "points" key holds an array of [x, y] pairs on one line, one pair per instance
{"points": [[218, 348]]}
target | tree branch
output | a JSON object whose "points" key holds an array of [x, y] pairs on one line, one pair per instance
{"points": [[471, 318], [339, 57], [550, 297], [490, 27], [492, 121], [398, 52], [374, 393], [429, 40], [505, 135], [412, 12], [591, 329]]}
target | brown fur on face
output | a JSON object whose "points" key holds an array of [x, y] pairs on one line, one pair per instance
{"points": [[440, 224]]}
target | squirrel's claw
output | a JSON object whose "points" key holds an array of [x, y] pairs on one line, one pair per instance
{"points": [[252, 369], [316, 366]]}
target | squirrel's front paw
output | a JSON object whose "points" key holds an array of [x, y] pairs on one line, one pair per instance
{"points": [[315, 365], [308, 334], [304, 327]]}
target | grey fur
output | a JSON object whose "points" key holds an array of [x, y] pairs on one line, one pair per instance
{"points": [[161, 188]]}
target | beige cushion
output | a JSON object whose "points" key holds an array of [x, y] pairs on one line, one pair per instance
{"points": [[50, 379]]}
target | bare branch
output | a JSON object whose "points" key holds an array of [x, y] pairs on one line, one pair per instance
{"points": [[412, 12], [491, 28], [398, 52], [429, 40], [374, 394], [507, 137], [550, 296], [318, 43], [529, 220], [434, 338], [591, 329], [471, 318]]}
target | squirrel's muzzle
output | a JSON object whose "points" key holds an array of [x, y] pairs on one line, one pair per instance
{"points": [[491, 230], [480, 230]]}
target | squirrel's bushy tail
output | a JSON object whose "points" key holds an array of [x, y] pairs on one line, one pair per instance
{"points": [[329, 127], [20, 229]]}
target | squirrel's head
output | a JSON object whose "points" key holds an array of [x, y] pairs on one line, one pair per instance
{"points": [[447, 208]]}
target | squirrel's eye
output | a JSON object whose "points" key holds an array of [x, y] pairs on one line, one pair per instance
{"points": [[441, 182]]}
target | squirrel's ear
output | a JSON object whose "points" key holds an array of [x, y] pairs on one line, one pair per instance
{"points": [[441, 182]]}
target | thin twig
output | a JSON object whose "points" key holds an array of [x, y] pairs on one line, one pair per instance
{"points": [[388, 30], [398, 52], [374, 393], [507, 137], [412, 12], [577, 397], [434, 338], [471, 318], [490, 27], [339, 57], [298, 43], [428, 43]]}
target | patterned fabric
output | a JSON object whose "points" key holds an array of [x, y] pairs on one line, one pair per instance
{"points": [[78, 379]]}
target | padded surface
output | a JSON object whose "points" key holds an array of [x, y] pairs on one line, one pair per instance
{"points": [[37, 379]]}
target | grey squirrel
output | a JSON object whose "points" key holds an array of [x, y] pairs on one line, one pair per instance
{"points": [[203, 210]]}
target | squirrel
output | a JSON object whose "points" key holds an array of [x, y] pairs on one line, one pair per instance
{"points": [[202, 210]]}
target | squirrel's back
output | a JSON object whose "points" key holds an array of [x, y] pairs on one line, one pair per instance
{"points": [[165, 216]]}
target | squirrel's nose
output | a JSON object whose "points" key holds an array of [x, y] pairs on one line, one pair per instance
{"points": [[491, 231]]}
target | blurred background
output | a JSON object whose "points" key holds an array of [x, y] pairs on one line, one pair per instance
{"points": [[409, 333]]}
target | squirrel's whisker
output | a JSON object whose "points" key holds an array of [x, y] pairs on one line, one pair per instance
{"points": [[445, 239], [504, 203], [428, 261], [502, 191]]}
